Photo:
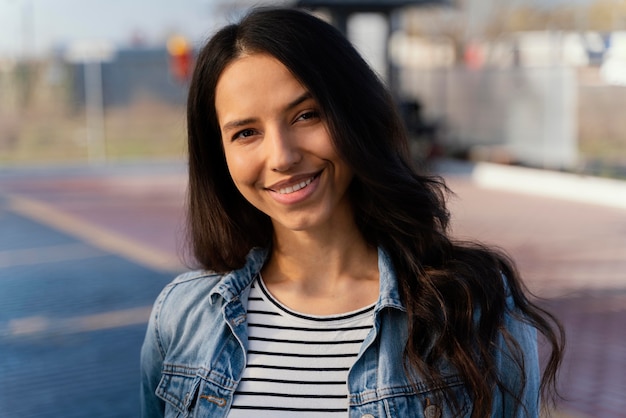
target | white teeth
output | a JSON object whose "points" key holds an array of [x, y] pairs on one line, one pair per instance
{"points": [[295, 187]]}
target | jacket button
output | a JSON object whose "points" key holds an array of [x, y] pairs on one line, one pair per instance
{"points": [[432, 411], [367, 416]]}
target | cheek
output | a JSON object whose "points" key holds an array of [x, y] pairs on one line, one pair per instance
{"points": [[325, 148], [341, 166], [241, 168]]}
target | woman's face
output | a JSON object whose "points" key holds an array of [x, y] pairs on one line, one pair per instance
{"points": [[277, 146]]}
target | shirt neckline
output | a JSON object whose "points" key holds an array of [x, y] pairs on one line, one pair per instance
{"points": [[356, 314]]}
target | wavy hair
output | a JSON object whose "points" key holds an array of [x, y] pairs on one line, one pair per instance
{"points": [[442, 282]]}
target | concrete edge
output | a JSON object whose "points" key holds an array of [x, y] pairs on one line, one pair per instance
{"points": [[565, 186]]}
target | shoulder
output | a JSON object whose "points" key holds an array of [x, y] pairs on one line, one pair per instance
{"points": [[183, 304], [197, 282], [197, 278], [182, 294], [206, 287], [178, 302]]}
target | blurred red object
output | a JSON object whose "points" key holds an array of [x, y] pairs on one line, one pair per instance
{"points": [[181, 57]]}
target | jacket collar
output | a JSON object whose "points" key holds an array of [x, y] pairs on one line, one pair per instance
{"points": [[234, 283], [389, 296]]}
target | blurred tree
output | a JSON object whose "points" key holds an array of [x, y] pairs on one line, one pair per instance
{"points": [[434, 22], [606, 15], [564, 17], [600, 15]]}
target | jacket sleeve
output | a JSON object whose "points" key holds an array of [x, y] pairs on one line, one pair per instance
{"points": [[520, 382], [151, 363]]}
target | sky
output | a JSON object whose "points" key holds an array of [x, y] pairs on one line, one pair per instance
{"points": [[39, 26], [36, 27]]}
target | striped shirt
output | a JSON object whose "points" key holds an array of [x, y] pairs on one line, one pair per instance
{"points": [[297, 364]]}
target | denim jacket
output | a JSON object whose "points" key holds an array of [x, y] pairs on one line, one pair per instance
{"points": [[195, 348]]}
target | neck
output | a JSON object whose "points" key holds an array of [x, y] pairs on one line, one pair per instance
{"points": [[322, 272]]}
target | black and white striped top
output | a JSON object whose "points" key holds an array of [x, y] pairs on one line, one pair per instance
{"points": [[297, 364]]}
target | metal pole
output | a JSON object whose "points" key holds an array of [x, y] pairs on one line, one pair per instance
{"points": [[94, 109]]}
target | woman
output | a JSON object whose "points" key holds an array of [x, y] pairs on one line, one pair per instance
{"points": [[329, 287]]}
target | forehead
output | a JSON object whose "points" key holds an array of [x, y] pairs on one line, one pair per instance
{"points": [[253, 83]]}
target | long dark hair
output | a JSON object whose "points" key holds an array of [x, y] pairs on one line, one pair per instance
{"points": [[443, 283]]}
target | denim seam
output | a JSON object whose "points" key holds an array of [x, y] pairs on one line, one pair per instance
{"points": [[182, 278], [379, 394], [203, 373], [193, 275], [157, 315]]}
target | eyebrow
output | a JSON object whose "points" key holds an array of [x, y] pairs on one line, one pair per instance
{"points": [[302, 98], [242, 122], [238, 123]]}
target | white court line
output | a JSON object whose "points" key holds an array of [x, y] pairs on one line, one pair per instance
{"points": [[35, 326], [585, 189], [99, 237], [48, 254]]}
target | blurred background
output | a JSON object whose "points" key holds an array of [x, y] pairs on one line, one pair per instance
{"points": [[539, 83], [517, 103]]}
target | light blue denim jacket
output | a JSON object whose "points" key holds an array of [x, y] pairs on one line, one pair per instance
{"points": [[195, 351]]}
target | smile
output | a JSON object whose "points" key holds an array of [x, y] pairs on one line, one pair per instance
{"points": [[288, 187], [296, 187]]}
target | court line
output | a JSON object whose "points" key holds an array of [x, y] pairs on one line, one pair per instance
{"points": [[99, 237], [48, 254], [41, 326]]}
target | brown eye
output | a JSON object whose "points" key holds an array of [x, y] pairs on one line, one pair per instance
{"points": [[243, 134], [309, 115]]}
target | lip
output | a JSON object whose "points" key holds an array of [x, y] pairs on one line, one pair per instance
{"points": [[292, 181], [298, 195]]}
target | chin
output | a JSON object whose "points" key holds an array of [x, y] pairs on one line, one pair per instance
{"points": [[298, 225]]}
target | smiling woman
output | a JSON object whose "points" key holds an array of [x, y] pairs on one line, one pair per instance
{"points": [[329, 286], [278, 149]]}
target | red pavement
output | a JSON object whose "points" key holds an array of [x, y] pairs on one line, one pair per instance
{"points": [[574, 254], [137, 214]]}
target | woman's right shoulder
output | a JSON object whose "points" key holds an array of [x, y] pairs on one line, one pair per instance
{"points": [[185, 300], [197, 282], [186, 291], [197, 278]]}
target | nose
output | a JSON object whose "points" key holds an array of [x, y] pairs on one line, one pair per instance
{"points": [[283, 152]]}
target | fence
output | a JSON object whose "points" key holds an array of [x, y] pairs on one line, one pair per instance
{"points": [[545, 117], [527, 115], [43, 117]]}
